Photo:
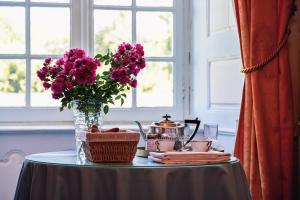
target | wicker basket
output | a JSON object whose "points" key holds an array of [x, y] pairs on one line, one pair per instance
{"points": [[111, 147]]}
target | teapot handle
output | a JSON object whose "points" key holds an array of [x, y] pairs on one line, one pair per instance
{"points": [[192, 121]]}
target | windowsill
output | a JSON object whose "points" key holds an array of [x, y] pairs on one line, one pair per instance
{"points": [[45, 126], [69, 126]]}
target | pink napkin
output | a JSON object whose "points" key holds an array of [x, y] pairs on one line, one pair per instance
{"points": [[189, 157]]}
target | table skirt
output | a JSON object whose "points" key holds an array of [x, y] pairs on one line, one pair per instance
{"points": [[44, 181]]}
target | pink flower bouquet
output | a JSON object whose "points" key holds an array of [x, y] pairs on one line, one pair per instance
{"points": [[74, 76]]}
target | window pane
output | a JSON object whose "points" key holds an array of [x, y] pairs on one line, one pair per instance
{"points": [[155, 32], [40, 96], [12, 83], [111, 28], [12, 30], [154, 3], [113, 2], [50, 30], [155, 85]]}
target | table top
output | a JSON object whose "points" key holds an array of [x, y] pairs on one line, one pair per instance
{"points": [[69, 158], [60, 175]]}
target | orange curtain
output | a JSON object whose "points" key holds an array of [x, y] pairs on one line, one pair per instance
{"points": [[265, 131]]}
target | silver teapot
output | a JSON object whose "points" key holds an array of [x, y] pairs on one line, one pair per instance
{"points": [[167, 130]]}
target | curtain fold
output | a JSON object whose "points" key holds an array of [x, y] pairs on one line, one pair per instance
{"points": [[265, 132]]}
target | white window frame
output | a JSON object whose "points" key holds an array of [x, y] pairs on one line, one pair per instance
{"points": [[81, 14]]}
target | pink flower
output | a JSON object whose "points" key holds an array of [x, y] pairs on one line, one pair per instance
{"points": [[132, 67], [41, 75], [117, 56], [72, 72], [140, 49], [78, 62], [47, 61], [128, 61], [60, 79], [79, 53], [55, 70], [125, 60], [68, 66], [133, 83], [142, 63], [136, 71], [120, 75], [74, 68], [115, 74], [128, 46], [56, 96], [121, 48], [46, 85], [124, 80], [85, 72], [56, 88], [73, 54], [134, 56], [60, 61], [69, 85], [45, 69], [123, 72], [85, 76]]}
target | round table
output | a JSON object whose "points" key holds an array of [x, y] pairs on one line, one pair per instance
{"points": [[60, 175]]}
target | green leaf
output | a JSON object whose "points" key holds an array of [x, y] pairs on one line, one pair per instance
{"points": [[98, 77], [124, 95], [105, 73], [118, 97], [106, 109], [111, 101], [98, 55], [61, 109], [122, 102]]}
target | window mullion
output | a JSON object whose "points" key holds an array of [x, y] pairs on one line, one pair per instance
{"points": [[134, 97], [76, 23], [133, 21], [138, 8], [27, 55], [90, 26], [49, 4], [43, 56], [161, 59], [86, 28], [12, 56]]}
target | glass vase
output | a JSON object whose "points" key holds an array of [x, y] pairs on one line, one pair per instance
{"points": [[87, 114]]}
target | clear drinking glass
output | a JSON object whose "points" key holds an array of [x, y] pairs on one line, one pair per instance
{"points": [[211, 131]]}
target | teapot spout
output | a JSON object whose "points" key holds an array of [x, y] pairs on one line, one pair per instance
{"points": [[143, 134]]}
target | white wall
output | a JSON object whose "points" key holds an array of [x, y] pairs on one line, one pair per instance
{"points": [[15, 145]]}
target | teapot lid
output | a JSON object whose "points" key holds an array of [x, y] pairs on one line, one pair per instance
{"points": [[167, 122]]}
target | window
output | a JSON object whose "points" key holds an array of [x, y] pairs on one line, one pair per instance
{"points": [[34, 29], [217, 82]]}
